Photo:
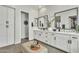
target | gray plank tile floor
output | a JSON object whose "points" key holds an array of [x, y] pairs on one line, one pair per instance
{"points": [[17, 48], [11, 49]]}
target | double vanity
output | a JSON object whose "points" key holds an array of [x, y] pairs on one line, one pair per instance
{"points": [[66, 41], [65, 33]]}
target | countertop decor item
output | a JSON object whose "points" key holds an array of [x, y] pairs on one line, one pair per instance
{"points": [[50, 22], [54, 29]]}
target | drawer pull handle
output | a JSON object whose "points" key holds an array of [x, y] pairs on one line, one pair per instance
{"points": [[75, 37]]}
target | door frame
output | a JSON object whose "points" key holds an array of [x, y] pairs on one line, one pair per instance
{"points": [[22, 11]]}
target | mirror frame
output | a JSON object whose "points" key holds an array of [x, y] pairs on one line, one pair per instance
{"points": [[45, 21], [65, 11]]}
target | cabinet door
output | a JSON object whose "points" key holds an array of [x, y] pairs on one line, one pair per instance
{"points": [[36, 35], [53, 39], [39, 35], [62, 41], [50, 39], [42, 36], [45, 37], [10, 24], [3, 30], [74, 44]]}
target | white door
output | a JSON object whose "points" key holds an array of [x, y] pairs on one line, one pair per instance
{"points": [[6, 26], [10, 29], [62, 41], [3, 30], [24, 25]]}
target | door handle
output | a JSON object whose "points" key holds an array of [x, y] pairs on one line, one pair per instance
{"points": [[7, 26], [7, 22]]}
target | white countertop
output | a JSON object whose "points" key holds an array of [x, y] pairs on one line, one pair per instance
{"points": [[68, 33]]}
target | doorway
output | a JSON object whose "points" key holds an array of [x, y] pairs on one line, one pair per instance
{"points": [[24, 25]]}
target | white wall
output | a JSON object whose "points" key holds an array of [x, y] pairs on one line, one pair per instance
{"points": [[33, 13]]}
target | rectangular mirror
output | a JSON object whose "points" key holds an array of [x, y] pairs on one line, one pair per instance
{"points": [[42, 22], [66, 19]]}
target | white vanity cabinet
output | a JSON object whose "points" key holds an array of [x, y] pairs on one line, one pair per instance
{"points": [[39, 35], [46, 37], [63, 41], [49, 38], [68, 43], [74, 44]]}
